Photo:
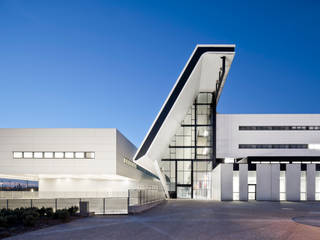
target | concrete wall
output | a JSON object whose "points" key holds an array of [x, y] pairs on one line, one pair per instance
{"points": [[311, 182], [243, 182], [226, 182], [293, 174]]}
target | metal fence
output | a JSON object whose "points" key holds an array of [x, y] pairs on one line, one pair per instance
{"points": [[141, 197], [99, 205]]}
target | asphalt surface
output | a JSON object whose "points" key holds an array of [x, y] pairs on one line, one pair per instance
{"points": [[190, 219]]}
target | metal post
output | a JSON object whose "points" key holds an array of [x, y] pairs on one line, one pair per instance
{"points": [[195, 144], [31, 202], [104, 205], [214, 126], [56, 204], [7, 204], [128, 199]]}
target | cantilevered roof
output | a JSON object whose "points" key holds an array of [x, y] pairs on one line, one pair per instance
{"points": [[201, 74]]}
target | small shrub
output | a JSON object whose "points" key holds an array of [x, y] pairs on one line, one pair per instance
{"points": [[12, 220], [42, 211], [62, 214], [73, 210], [49, 212], [31, 211], [19, 212], [29, 221], [6, 212], [3, 221]]}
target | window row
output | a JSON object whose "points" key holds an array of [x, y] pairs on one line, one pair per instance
{"points": [[280, 128], [268, 146], [58, 155]]}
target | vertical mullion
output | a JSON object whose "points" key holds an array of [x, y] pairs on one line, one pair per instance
{"points": [[214, 126], [195, 143]]}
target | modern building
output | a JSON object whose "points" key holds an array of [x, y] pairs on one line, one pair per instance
{"points": [[200, 154], [190, 151], [71, 163]]}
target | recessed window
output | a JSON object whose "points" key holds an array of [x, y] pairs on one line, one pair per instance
{"points": [[48, 154], [69, 155], [90, 155], [58, 155], [17, 154], [27, 155], [38, 154], [279, 128], [79, 154]]}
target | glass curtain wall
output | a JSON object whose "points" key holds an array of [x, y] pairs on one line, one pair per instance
{"points": [[188, 161]]}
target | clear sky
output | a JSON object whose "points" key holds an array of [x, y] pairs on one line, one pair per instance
{"points": [[112, 63]]}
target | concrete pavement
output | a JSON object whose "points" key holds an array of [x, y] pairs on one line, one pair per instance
{"points": [[190, 219]]}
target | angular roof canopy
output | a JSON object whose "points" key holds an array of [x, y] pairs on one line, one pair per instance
{"points": [[205, 71]]}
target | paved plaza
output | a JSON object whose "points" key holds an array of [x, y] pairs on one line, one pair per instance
{"points": [[190, 219]]}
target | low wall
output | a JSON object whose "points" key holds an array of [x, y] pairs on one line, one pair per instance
{"points": [[144, 207]]}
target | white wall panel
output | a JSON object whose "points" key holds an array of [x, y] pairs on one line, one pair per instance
{"points": [[311, 182], [275, 182], [216, 183], [293, 174], [263, 182], [226, 182], [243, 182]]}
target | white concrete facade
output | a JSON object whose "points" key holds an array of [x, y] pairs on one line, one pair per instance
{"points": [[229, 136], [107, 172]]}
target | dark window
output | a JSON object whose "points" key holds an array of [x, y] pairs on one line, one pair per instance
{"points": [[273, 146], [279, 128]]}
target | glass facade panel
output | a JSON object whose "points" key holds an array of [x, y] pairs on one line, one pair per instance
{"points": [[188, 160], [184, 192]]}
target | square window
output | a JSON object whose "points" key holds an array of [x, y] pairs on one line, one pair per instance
{"points": [[48, 154], [17, 154], [27, 155], [69, 155], [38, 154], [79, 154], [58, 155], [90, 155]]}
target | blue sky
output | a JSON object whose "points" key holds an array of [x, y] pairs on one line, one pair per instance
{"points": [[112, 63]]}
